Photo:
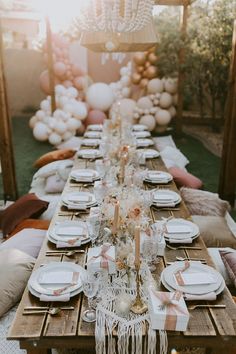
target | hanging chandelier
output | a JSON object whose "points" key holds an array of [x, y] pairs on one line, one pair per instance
{"points": [[114, 16]]}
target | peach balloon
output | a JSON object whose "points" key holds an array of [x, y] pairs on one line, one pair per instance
{"points": [[143, 83], [136, 78], [139, 58], [67, 83], [147, 64], [95, 117], [80, 82], [76, 70], [151, 72], [59, 69], [152, 58], [140, 69], [44, 82]]}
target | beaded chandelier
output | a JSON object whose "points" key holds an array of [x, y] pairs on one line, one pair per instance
{"points": [[114, 16]]}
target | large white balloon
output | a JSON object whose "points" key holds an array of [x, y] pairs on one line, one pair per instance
{"points": [[33, 120], [60, 127], [40, 131], [54, 139], [171, 85], [145, 103], [163, 117], [100, 96], [165, 100], [73, 124], [45, 105], [40, 114], [149, 121], [155, 85], [79, 110]]}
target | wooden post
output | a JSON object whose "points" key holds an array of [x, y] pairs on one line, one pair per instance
{"points": [[227, 184], [181, 75], [6, 147], [50, 65]]}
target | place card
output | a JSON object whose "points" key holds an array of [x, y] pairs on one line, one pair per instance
{"points": [[198, 278], [178, 229], [56, 278]]}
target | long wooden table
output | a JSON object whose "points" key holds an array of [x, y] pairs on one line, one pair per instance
{"points": [[214, 329]]}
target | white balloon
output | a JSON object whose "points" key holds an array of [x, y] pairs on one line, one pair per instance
{"points": [[155, 85], [40, 114], [171, 85], [172, 111], [60, 127], [163, 117], [45, 105], [54, 139], [125, 80], [63, 100], [46, 120], [126, 92], [165, 100], [67, 135], [68, 108], [144, 103], [72, 92], [73, 124], [100, 96], [58, 114], [79, 110], [40, 131], [60, 90], [33, 120], [149, 121]]}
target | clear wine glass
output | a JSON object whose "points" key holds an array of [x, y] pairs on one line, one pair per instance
{"points": [[90, 283], [93, 226]]}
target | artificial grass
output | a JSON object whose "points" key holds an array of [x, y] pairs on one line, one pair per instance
{"points": [[203, 163]]}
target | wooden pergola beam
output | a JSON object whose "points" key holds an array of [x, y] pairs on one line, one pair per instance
{"points": [[173, 2], [6, 146], [227, 183]]}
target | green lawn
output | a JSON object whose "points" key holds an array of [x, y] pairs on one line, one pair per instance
{"points": [[203, 164]]}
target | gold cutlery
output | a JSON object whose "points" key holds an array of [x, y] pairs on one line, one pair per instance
{"points": [[63, 253], [36, 308], [190, 259], [184, 248], [193, 307], [53, 311]]}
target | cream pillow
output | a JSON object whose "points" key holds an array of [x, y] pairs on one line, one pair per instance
{"points": [[175, 155], [16, 267]]}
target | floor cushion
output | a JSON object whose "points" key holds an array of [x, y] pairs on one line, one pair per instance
{"points": [[171, 153], [229, 259], [53, 200], [56, 155], [201, 202], [27, 240], [185, 179], [30, 224], [214, 252], [27, 206], [54, 184], [16, 267], [215, 231]]}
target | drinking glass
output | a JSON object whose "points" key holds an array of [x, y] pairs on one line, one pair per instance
{"points": [[93, 226], [90, 283]]}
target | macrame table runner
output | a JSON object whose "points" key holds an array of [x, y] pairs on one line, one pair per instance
{"points": [[129, 330]]}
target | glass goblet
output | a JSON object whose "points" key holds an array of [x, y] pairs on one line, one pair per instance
{"points": [[90, 285]]}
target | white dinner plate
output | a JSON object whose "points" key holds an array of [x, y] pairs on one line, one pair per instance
{"points": [[217, 291], [144, 142], [95, 127], [84, 175], [198, 289], [90, 142], [93, 134], [156, 177], [70, 230], [139, 127], [75, 199], [149, 153], [57, 267], [141, 134], [89, 153], [165, 198], [193, 233]]}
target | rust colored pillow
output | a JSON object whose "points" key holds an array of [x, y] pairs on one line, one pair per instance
{"points": [[30, 224], [27, 206], [184, 179], [229, 260], [56, 155]]}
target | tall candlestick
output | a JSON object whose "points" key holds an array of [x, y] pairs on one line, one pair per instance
{"points": [[137, 246], [115, 225]]}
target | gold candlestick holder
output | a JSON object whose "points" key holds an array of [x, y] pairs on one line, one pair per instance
{"points": [[138, 307]]}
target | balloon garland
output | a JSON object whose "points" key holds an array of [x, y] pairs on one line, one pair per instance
{"points": [[66, 73], [144, 67]]}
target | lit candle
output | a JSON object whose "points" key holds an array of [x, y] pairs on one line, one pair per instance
{"points": [[115, 225], [137, 246]]}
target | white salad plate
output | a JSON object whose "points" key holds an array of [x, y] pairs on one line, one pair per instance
{"points": [[149, 153], [89, 153], [139, 127], [69, 231], [180, 229], [93, 134], [156, 177], [95, 127], [84, 175], [141, 134], [90, 142], [144, 142], [165, 198], [75, 199]]}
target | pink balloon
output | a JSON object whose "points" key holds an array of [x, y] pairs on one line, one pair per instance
{"points": [[77, 71], [67, 83], [45, 58], [80, 82], [68, 73], [59, 69], [95, 117], [44, 82], [81, 129]]}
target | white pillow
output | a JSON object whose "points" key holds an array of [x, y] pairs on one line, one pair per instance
{"points": [[163, 141], [54, 184], [72, 143], [52, 168], [217, 260], [170, 153], [53, 203]]}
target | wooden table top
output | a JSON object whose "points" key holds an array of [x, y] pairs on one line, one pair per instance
{"points": [[206, 328]]}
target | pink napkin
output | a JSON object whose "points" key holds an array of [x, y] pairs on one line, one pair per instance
{"points": [[63, 298], [209, 296]]}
